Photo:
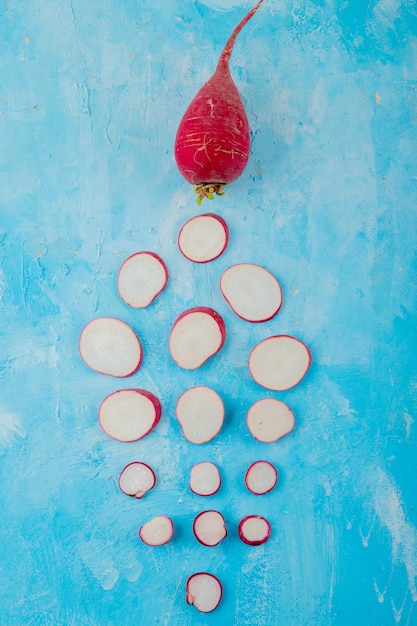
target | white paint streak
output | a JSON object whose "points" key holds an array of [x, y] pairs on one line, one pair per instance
{"points": [[11, 428]]}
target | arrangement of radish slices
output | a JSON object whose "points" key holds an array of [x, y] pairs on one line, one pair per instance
{"points": [[109, 346], [254, 530], [209, 528], [136, 479], [204, 591], [158, 531], [279, 362], [203, 238], [129, 414], [200, 412], [205, 479], [252, 291], [197, 334], [261, 477], [141, 279]]}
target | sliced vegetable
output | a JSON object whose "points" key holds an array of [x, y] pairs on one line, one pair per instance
{"points": [[254, 530], [136, 479], [204, 591], [269, 419], [203, 238], [200, 412], [158, 531], [261, 477], [209, 528], [196, 335], [205, 479], [129, 414], [279, 362], [141, 278]]}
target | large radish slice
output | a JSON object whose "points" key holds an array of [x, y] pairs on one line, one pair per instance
{"points": [[261, 477], [110, 346], [254, 530], [200, 412], [141, 278], [136, 479], [279, 362], [203, 238], [253, 292], [205, 479], [196, 335], [204, 591], [209, 528], [129, 414], [157, 531], [269, 419]]}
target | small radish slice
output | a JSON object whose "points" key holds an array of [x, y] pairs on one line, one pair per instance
{"points": [[261, 477], [205, 479], [141, 278], [279, 362], [203, 238], [269, 419], [252, 291], [110, 346], [196, 335], [254, 530], [209, 528], [204, 591], [200, 412], [129, 414], [136, 479], [157, 531]]}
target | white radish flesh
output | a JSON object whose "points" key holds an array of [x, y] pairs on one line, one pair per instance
{"points": [[204, 591], [269, 419], [253, 292], [261, 477], [136, 479], [141, 279], [279, 362], [196, 335], [129, 414], [111, 347], [209, 528], [254, 530], [157, 531], [205, 479], [203, 238], [200, 412]]}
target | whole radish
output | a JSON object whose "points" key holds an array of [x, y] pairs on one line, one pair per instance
{"points": [[213, 139]]}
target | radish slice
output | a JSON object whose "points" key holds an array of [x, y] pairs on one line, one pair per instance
{"points": [[141, 279], [204, 591], [203, 238], [252, 291], [129, 414], [110, 346], [254, 530], [279, 362], [205, 479], [200, 412], [196, 335], [261, 477], [136, 479], [209, 528], [157, 531], [269, 419]]}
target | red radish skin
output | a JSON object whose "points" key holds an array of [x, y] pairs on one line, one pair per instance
{"points": [[197, 334], [261, 477], [142, 277], [158, 531], [209, 528], [204, 591], [136, 479], [129, 414], [109, 346], [212, 143], [254, 530], [203, 238]]}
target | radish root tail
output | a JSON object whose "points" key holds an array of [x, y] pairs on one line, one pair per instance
{"points": [[207, 190]]}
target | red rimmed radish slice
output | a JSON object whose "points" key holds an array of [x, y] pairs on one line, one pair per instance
{"points": [[157, 531], [197, 334], [279, 362], [109, 346], [253, 292], [200, 412], [269, 419], [136, 479], [203, 238], [129, 414], [254, 530], [141, 278], [204, 591], [261, 477], [209, 528], [205, 479]]}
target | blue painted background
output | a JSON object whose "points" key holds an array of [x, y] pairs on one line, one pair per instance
{"points": [[91, 94]]}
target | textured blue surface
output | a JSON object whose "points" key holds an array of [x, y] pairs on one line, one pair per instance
{"points": [[90, 97]]}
